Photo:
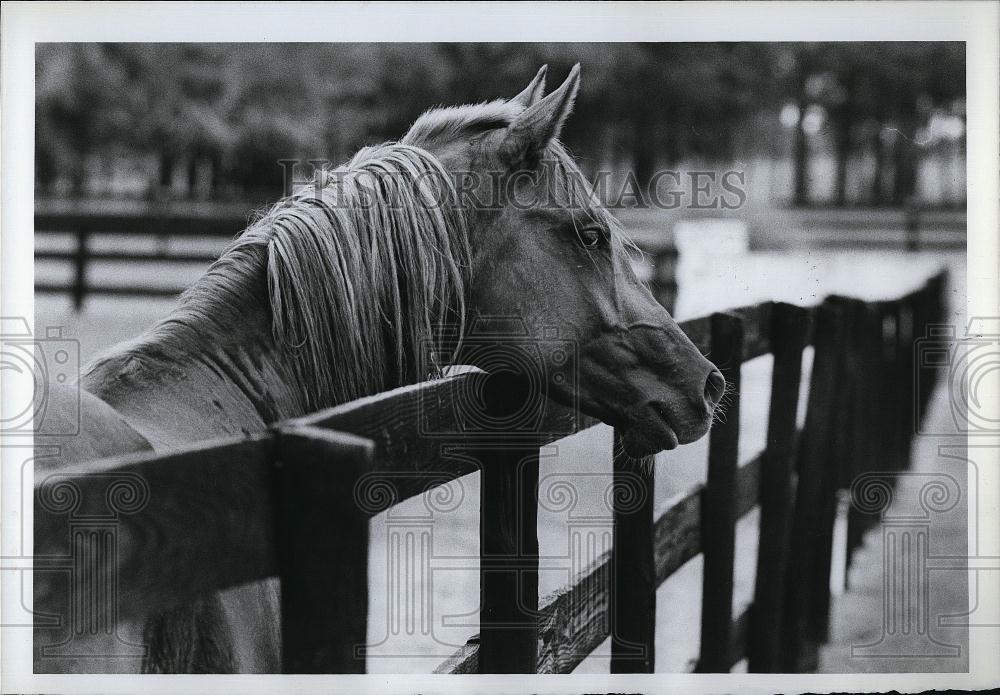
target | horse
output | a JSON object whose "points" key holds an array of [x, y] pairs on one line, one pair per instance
{"points": [[337, 291]]}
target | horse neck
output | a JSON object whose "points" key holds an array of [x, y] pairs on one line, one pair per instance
{"points": [[225, 320], [210, 368]]}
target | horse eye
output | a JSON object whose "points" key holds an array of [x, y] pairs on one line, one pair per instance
{"points": [[590, 237]]}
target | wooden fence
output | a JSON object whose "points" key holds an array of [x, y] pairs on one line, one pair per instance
{"points": [[161, 224], [169, 222], [294, 502]]}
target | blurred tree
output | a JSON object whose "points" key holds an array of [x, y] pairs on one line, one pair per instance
{"points": [[79, 107], [887, 90], [235, 110]]}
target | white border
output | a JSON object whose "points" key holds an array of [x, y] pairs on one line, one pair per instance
{"points": [[976, 23]]}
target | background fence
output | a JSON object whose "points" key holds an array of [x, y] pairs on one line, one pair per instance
{"points": [[294, 502], [132, 237], [173, 222]]}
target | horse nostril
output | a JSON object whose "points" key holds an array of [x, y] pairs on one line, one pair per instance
{"points": [[715, 387]]}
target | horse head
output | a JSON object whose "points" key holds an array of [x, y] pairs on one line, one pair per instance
{"points": [[545, 251]]}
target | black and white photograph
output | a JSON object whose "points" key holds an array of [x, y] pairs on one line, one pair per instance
{"points": [[656, 346]]}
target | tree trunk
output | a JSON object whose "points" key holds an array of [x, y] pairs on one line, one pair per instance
{"points": [[643, 151], [801, 155], [216, 173], [78, 175], [194, 158], [876, 195], [905, 161], [842, 151], [166, 170]]}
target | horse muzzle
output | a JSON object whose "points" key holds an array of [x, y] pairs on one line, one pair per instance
{"points": [[672, 388], [658, 426]]}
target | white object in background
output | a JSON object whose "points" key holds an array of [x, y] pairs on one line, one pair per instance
{"points": [[707, 256], [715, 236]]}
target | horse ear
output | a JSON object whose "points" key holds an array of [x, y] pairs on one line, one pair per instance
{"points": [[539, 124], [535, 89]]}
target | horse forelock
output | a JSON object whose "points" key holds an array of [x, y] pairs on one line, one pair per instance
{"points": [[363, 269]]}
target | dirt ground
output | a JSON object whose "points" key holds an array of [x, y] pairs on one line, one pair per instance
{"points": [[414, 630]]}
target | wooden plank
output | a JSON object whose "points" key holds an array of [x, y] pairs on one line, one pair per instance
{"points": [[788, 329], [740, 636], [894, 395], [206, 508], [748, 485], [411, 458], [922, 321], [816, 480], [678, 533], [861, 428], [678, 536], [424, 434], [905, 376], [830, 481], [161, 222], [929, 310], [573, 621], [757, 339], [508, 566], [463, 662], [135, 257], [719, 509], [80, 269], [936, 305], [322, 550], [633, 564], [699, 330], [756, 329], [109, 290]]}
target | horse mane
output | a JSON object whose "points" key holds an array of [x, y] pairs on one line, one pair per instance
{"points": [[376, 245], [450, 123], [365, 268]]}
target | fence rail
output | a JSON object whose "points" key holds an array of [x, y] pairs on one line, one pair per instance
{"points": [[295, 502], [161, 223], [166, 222]]}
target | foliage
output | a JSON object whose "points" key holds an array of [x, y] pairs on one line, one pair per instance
{"points": [[239, 108]]}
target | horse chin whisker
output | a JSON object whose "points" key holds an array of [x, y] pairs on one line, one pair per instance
{"points": [[618, 450], [720, 412]]}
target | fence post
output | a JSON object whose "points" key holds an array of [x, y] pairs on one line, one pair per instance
{"points": [[508, 566], [789, 327], [718, 522], [633, 569], [852, 386], [815, 500], [933, 307], [664, 283], [80, 268], [871, 377], [905, 375], [858, 449], [322, 543], [891, 401]]}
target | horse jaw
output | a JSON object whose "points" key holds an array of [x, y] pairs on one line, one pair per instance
{"points": [[650, 383]]}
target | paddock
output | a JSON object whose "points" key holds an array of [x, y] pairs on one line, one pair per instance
{"points": [[365, 455]]}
